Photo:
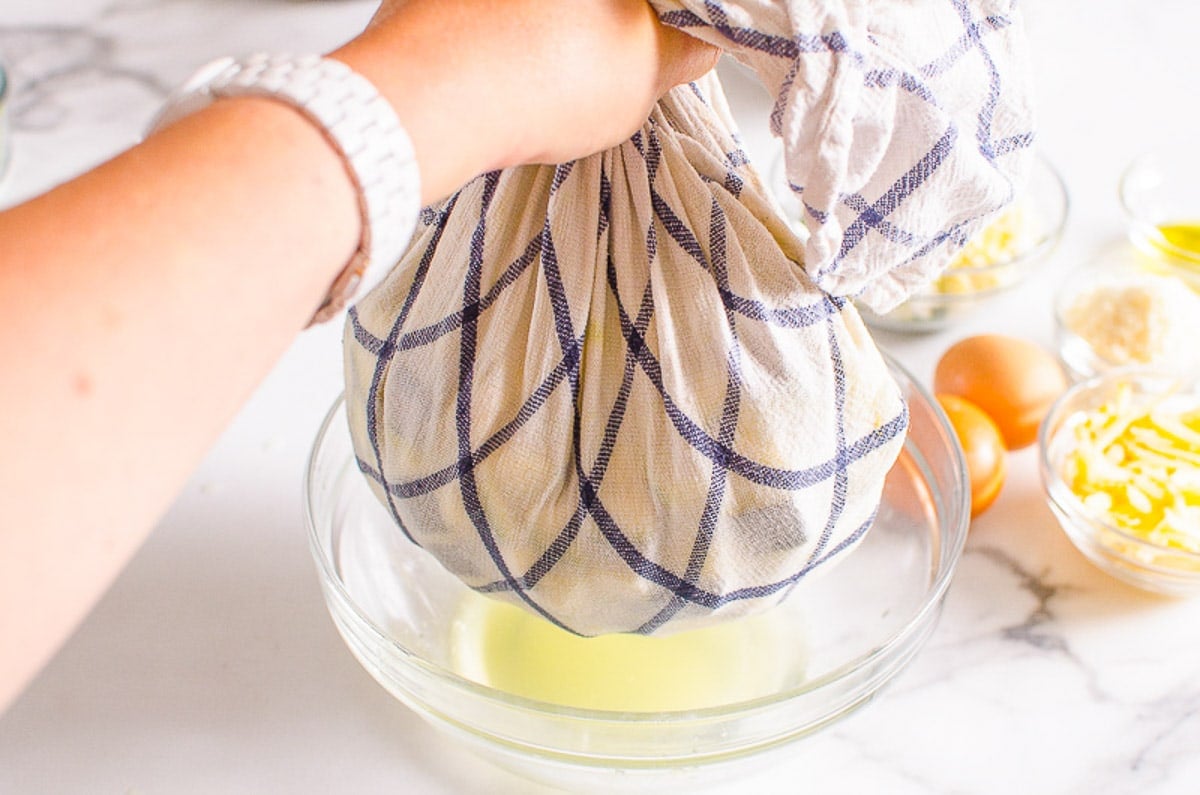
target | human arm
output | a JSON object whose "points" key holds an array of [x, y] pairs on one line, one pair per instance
{"points": [[142, 302]]}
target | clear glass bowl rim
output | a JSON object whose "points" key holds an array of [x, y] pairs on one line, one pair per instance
{"points": [[949, 549]]}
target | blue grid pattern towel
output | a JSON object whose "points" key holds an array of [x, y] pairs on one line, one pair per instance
{"points": [[608, 392], [622, 392], [904, 123]]}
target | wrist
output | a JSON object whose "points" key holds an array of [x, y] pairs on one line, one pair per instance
{"points": [[459, 113], [355, 121]]}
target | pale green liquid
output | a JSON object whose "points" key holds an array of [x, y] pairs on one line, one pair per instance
{"points": [[508, 648]]}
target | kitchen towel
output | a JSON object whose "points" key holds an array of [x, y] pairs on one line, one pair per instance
{"points": [[622, 392]]}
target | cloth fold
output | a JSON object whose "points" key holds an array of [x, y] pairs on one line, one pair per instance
{"points": [[905, 124]]}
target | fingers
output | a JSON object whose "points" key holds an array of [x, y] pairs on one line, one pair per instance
{"points": [[548, 81]]}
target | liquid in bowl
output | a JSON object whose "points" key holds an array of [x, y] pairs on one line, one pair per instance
{"points": [[837, 639]]}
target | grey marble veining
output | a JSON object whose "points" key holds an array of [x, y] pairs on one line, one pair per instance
{"points": [[47, 60]]}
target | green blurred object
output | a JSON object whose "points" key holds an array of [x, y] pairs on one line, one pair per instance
{"points": [[4, 148]]}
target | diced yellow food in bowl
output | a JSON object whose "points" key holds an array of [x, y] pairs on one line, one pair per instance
{"points": [[978, 265]]}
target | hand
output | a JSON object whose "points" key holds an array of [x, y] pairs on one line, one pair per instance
{"points": [[528, 81], [191, 261]]}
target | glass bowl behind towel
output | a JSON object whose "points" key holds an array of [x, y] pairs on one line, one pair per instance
{"points": [[847, 633]]}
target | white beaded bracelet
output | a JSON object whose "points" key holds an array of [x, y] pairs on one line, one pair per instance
{"points": [[357, 122]]}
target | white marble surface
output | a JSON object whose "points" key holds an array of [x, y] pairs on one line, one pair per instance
{"points": [[211, 666]]}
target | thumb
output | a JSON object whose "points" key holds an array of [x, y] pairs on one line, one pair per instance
{"points": [[684, 58]]}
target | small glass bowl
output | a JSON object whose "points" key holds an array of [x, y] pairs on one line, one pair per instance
{"points": [[1160, 194], [401, 613], [1120, 311], [1038, 217], [1123, 554]]}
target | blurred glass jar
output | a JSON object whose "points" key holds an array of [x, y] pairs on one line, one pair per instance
{"points": [[1160, 194], [4, 139]]}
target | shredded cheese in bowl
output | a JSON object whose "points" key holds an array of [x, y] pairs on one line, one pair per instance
{"points": [[1120, 462], [1137, 466]]}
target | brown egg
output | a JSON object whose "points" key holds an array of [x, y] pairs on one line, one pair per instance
{"points": [[982, 446], [1013, 380]]}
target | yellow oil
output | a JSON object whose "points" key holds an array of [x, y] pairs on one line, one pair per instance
{"points": [[1180, 239], [511, 649]]}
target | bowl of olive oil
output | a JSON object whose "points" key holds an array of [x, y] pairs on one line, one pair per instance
{"points": [[633, 713], [1160, 193]]}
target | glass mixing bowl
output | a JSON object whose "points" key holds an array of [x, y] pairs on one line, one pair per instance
{"points": [[855, 627]]}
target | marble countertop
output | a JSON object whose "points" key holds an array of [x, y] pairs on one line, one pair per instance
{"points": [[212, 666]]}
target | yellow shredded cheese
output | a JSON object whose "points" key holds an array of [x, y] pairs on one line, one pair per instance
{"points": [[1136, 464]]}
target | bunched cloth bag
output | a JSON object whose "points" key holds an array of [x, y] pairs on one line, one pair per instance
{"points": [[904, 124], [620, 392]]}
